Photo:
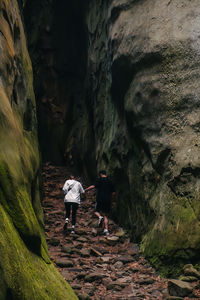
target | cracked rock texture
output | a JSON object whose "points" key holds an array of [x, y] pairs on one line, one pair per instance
{"points": [[119, 89], [26, 271], [143, 62]]}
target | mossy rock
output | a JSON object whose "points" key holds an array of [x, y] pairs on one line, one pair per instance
{"points": [[25, 274], [26, 270]]}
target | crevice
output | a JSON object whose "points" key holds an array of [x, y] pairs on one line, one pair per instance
{"points": [[123, 73], [28, 121], [3, 35], [58, 49]]}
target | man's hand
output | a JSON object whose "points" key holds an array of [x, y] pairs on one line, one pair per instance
{"points": [[89, 188]]}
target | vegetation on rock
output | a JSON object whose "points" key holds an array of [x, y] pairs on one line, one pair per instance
{"points": [[26, 269]]}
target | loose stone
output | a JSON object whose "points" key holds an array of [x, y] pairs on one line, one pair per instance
{"points": [[146, 281], [112, 240], [179, 288], [106, 259], [53, 241], [188, 278], [82, 239], [93, 276], [76, 286], [118, 265], [85, 252], [125, 258], [64, 263], [84, 297], [116, 286], [189, 270]]}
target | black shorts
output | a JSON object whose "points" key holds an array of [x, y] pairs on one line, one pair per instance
{"points": [[102, 206]]}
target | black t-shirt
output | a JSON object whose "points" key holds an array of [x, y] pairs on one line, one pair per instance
{"points": [[104, 188]]}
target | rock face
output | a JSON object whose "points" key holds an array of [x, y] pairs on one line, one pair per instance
{"points": [[57, 39], [122, 92], [25, 268], [143, 61]]}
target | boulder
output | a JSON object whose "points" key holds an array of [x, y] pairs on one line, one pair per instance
{"points": [[120, 233], [85, 252], [118, 265], [179, 288], [112, 240], [82, 239], [76, 286], [116, 286], [106, 259], [64, 263], [94, 232], [147, 281], [125, 259], [54, 241], [146, 120], [83, 296], [188, 278], [189, 270], [93, 277], [173, 298]]}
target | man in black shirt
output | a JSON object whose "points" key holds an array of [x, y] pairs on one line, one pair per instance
{"points": [[105, 191]]}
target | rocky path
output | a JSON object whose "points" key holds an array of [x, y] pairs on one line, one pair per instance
{"points": [[97, 267]]}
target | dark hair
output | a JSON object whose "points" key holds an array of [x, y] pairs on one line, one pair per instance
{"points": [[103, 172]]}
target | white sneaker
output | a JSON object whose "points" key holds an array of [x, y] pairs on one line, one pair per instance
{"points": [[106, 232], [73, 229], [66, 223], [100, 221]]}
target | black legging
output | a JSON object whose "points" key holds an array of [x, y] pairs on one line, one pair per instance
{"points": [[74, 206]]}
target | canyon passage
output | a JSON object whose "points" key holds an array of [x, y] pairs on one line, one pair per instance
{"points": [[93, 85]]}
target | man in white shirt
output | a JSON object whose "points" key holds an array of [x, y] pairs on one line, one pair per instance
{"points": [[72, 190]]}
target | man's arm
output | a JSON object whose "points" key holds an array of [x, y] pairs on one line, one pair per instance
{"points": [[90, 188], [65, 187], [81, 190]]}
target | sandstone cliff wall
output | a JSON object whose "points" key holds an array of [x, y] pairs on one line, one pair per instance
{"points": [[25, 268], [117, 88], [143, 63]]}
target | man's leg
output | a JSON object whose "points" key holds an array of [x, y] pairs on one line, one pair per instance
{"points": [[67, 209], [74, 210], [97, 214], [100, 218], [105, 221], [105, 224], [106, 210]]}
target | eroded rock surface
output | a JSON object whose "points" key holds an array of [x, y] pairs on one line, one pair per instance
{"points": [[143, 62], [26, 271], [122, 93]]}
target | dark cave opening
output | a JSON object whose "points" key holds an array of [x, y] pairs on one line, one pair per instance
{"points": [[57, 42]]}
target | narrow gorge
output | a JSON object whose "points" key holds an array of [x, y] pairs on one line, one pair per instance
{"points": [[93, 84]]}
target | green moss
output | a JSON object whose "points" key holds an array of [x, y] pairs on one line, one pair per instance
{"points": [[174, 237], [25, 268], [25, 273]]}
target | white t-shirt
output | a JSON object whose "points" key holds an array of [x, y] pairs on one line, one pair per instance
{"points": [[73, 189]]}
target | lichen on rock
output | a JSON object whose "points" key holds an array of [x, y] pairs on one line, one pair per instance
{"points": [[26, 269], [122, 94], [144, 60]]}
